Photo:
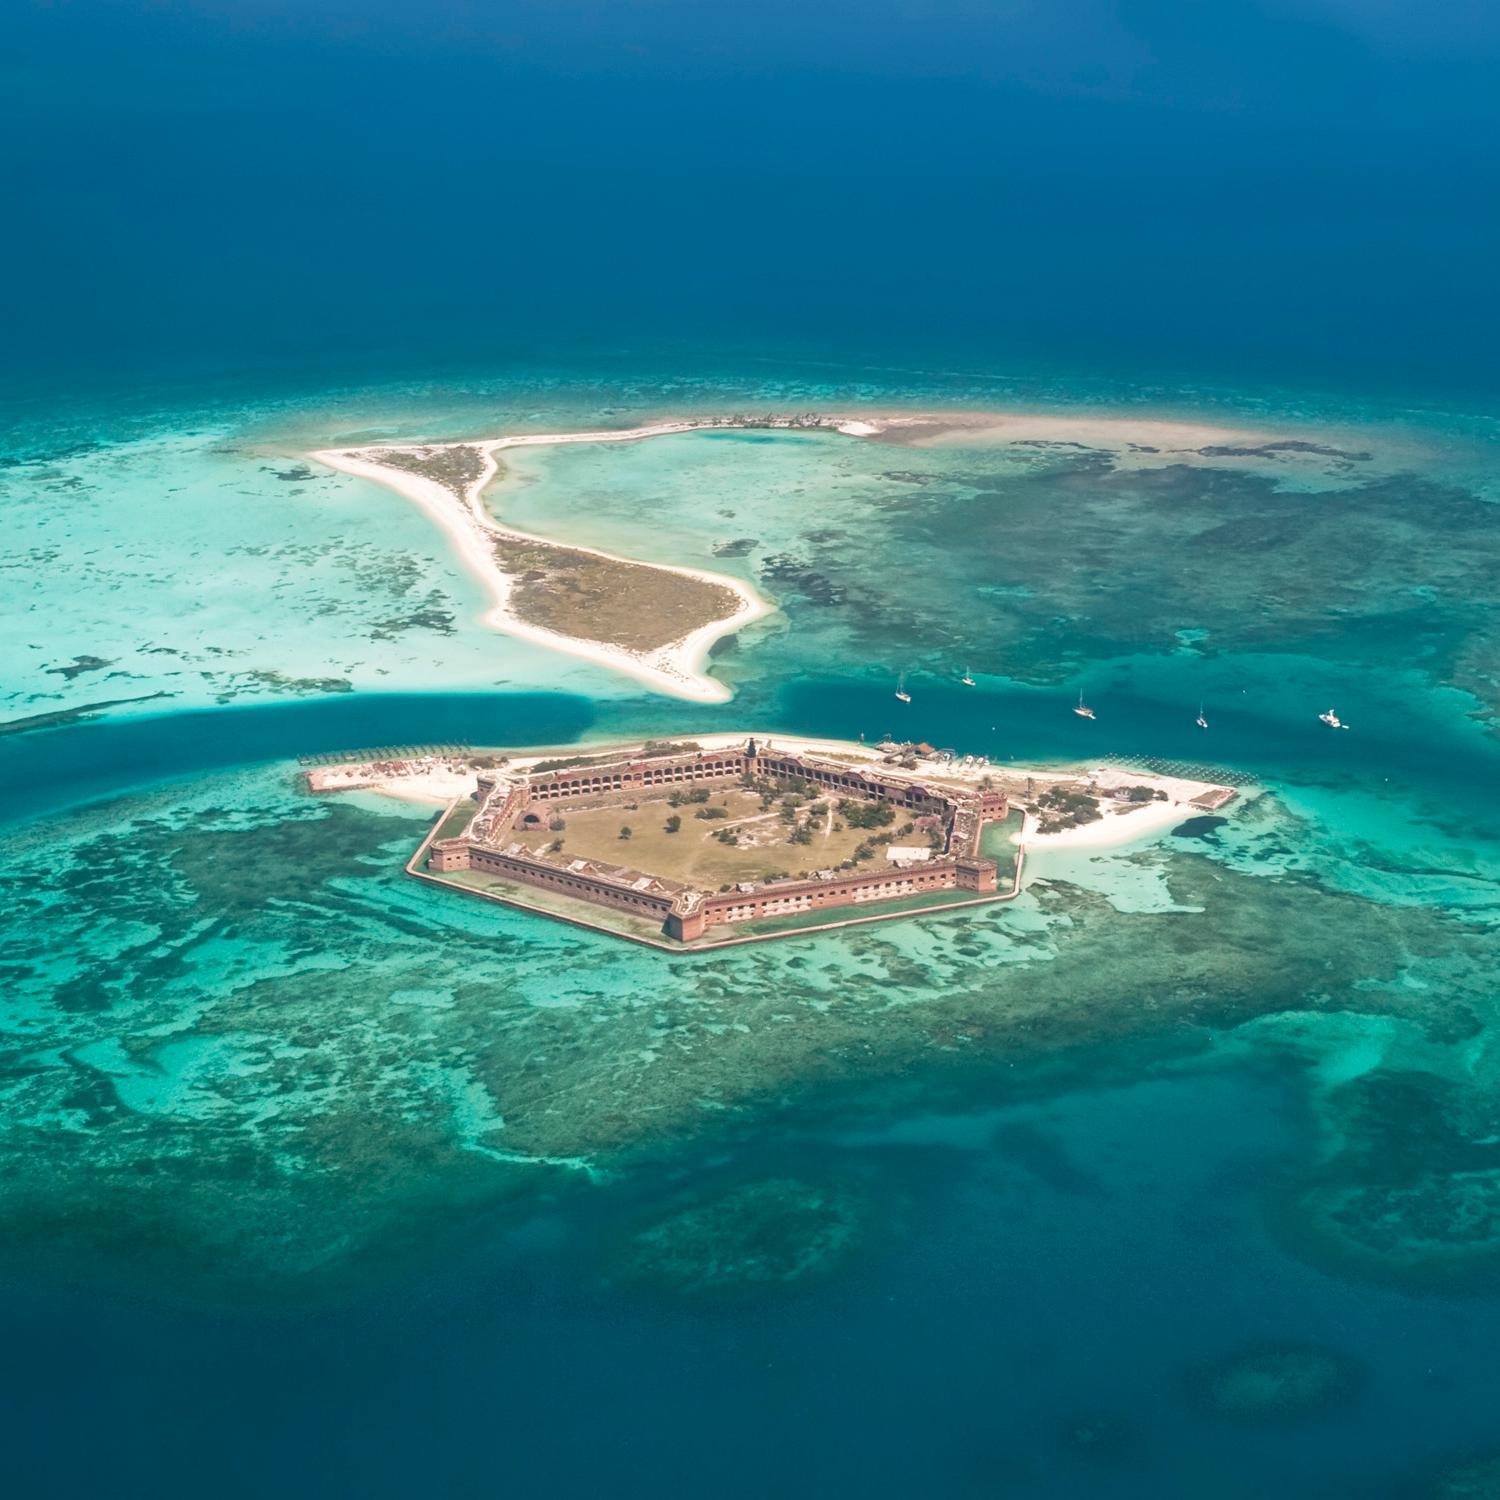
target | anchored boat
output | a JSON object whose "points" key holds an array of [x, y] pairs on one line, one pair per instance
{"points": [[1083, 710], [901, 692]]}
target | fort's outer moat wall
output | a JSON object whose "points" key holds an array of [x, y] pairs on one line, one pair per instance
{"points": [[791, 897]]}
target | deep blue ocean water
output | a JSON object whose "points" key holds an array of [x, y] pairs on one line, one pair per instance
{"points": [[1020, 1298], [225, 199], [256, 208]]}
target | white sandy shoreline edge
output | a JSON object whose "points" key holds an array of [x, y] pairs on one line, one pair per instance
{"points": [[674, 669]]}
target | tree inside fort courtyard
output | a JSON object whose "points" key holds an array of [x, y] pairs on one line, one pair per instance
{"points": [[867, 814]]}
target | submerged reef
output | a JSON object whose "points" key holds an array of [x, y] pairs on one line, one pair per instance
{"points": [[1275, 1383], [1475, 1476], [237, 1037], [1409, 1192], [79, 665], [1199, 828], [756, 1235], [1105, 1440], [947, 561]]}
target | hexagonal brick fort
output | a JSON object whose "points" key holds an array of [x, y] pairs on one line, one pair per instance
{"points": [[509, 806]]}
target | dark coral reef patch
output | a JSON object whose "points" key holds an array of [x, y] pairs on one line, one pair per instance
{"points": [[755, 1236], [1275, 1383], [1411, 1193]]}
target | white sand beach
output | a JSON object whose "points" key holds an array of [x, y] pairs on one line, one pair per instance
{"points": [[424, 779], [1126, 824], [673, 669]]}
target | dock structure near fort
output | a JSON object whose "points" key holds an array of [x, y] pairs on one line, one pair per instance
{"points": [[700, 812]]}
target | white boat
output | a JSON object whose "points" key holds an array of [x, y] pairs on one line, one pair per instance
{"points": [[901, 692], [1083, 710], [1332, 720], [1200, 721], [967, 679]]}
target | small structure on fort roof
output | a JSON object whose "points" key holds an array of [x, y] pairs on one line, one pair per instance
{"points": [[702, 846]]}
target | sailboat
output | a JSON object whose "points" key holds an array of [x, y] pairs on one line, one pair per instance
{"points": [[1332, 720], [1200, 721], [967, 679], [1083, 710], [901, 692]]}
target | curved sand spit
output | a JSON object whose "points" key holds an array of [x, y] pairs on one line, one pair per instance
{"points": [[673, 668]]}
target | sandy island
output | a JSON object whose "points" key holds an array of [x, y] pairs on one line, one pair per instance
{"points": [[673, 667], [447, 482]]}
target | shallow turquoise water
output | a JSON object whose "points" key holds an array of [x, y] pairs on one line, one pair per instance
{"points": [[193, 553]]}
